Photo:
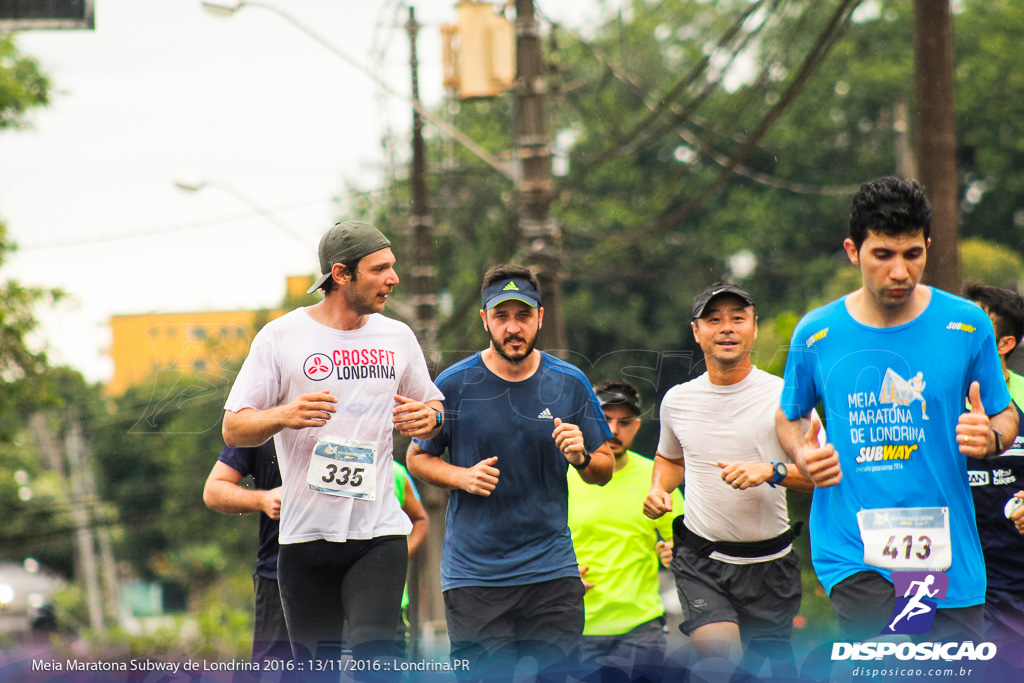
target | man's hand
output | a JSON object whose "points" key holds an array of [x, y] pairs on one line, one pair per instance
{"points": [[271, 503], [657, 503], [413, 418], [821, 462], [1018, 515], [745, 475], [973, 431], [308, 410], [481, 478], [569, 440], [586, 584], [664, 550]]}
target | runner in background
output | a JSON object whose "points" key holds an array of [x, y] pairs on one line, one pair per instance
{"points": [[224, 493], [994, 481], [619, 549]]}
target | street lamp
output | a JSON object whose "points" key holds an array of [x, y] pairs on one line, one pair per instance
{"points": [[222, 9], [191, 185], [226, 8]]}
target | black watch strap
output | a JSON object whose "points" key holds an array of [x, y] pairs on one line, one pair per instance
{"points": [[586, 461]]}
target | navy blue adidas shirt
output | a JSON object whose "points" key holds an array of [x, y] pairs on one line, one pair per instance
{"points": [[993, 482], [519, 534], [261, 463]]}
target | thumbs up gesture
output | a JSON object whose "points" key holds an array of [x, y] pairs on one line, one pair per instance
{"points": [[820, 461], [973, 432]]}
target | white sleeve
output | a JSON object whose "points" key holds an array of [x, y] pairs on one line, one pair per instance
{"points": [[668, 443], [258, 384], [415, 382]]}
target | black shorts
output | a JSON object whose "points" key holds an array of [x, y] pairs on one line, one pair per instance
{"points": [[270, 635], [761, 598], [863, 603], [497, 626], [643, 644]]}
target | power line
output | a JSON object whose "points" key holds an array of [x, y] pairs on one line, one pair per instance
{"points": [[167, 229], [664, 102], [680, 116], [834, 28]]}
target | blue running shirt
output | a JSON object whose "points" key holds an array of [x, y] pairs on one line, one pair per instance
{"points": [[892, 398], [519, 534]]}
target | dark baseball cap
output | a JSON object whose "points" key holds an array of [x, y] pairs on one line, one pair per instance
{"points": [[611, 397], [701, 301], [344, 243], [515, 288]]}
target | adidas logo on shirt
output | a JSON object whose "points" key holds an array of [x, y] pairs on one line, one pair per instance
{"points": [[546, 415]]}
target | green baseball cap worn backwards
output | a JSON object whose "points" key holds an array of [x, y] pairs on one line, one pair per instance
{"points": [[344, 243]]}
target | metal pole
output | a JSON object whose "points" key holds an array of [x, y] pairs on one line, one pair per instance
{"points": [[541, 238]]}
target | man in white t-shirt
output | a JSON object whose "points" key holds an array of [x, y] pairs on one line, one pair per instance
{"points": [[737, 574], [330, 382]]}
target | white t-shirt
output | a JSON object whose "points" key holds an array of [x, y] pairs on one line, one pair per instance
{"points": [[705, 423], [364, 368]]}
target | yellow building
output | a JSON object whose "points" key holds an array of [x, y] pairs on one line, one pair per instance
{"points": [[208, 344]]}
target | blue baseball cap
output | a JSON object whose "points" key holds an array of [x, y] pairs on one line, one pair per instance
{"points": [[515, 289]]}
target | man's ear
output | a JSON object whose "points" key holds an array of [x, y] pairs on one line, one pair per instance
{"points": [[1006, 344], [851, 251]]}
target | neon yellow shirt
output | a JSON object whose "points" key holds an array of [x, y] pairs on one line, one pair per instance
{"points": [[612, 535], [401, 475], [1016, 386]]}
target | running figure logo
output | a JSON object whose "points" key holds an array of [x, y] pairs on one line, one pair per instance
{"points": [[914, 613], [903, 392]]}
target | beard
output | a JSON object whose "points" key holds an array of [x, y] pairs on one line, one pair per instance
{"points": [[501, 349]]}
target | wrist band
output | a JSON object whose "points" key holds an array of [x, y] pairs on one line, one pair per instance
{"points": [[586, 461], [437, 414]]}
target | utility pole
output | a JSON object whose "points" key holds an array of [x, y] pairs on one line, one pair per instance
{"points": [[87, 565], [936, 136], [425, 565], [420, 222], [541, 238]]}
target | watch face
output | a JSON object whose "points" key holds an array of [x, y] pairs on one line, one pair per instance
{"points": [[781, 470]]}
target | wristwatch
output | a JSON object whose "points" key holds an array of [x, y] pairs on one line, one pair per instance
{"points": [[999, 442], [437, 415], [780, 471]]}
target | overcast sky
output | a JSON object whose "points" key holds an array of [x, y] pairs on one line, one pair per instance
{"points": [[163, 91]]}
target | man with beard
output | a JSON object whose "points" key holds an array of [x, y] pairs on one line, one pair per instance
{"points": [[619, 548], [330, 383], [518, 419]]}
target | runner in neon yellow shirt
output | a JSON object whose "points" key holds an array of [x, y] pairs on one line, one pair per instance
{"points": [[618, 547], [409, 500]]}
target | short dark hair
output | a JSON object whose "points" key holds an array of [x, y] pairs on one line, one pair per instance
{"points": [[889, 206], [1007, 306], [620, 387], [330, 285], [508, 271]]}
